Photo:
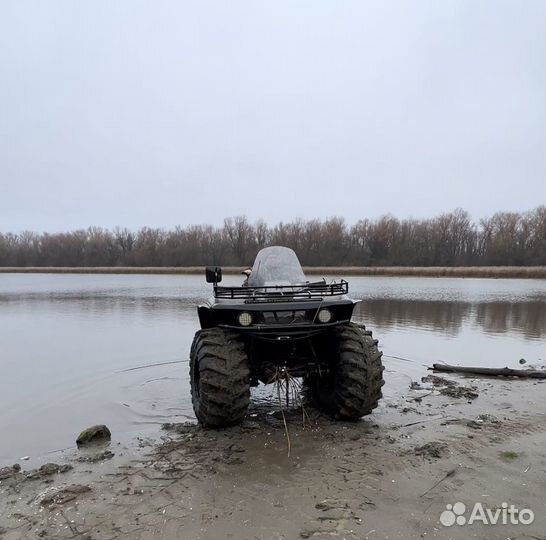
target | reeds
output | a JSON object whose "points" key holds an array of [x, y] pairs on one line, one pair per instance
{"points": [[525, 272], [535, 272]]}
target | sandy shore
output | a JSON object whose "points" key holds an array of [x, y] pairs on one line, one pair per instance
{"points": [[389, 476]]}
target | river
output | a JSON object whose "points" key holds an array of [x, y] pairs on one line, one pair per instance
{"points": [[77, 350]]}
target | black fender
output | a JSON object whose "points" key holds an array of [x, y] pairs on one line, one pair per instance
{"points": [[205, 316]]}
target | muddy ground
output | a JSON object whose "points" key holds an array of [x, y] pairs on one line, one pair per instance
{"points": [[389, 476]]}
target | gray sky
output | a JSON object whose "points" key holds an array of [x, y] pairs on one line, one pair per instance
{"points": [[163, 113]]}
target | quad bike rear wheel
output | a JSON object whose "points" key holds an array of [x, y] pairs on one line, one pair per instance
{"points": [[352, 388], [219, 377]]}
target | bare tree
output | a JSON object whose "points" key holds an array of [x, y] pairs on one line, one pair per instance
{"points": [[506, 238]]}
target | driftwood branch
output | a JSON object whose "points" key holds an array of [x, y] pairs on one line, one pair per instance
{"points": [[495, 372]]}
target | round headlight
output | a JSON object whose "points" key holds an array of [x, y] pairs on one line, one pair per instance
{"points": [[324, 315], [244, 318]]}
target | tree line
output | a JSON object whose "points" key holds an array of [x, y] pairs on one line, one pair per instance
{"points": [[450, 239]]}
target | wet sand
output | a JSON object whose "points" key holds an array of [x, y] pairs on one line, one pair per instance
{"points": [[387, 476]]}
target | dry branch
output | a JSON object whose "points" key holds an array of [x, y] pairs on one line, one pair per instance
{"points": [[493, 372]]}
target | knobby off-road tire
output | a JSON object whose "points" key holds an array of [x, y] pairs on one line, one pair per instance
{"points": [[219, 377], [353, 387]]}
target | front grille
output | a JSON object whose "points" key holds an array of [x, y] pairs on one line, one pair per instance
{"points": [[288, 317]]}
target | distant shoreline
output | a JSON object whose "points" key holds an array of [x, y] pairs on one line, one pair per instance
{"points": [[526, 272]]}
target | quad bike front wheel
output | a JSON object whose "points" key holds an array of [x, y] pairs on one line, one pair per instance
{"points": [[219, 377], [352, 388]]}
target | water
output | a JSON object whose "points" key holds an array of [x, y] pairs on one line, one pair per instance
{"points": [[73, 348]]}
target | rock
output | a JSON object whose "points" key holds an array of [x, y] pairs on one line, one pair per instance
{"points": [[61, 495], [522, 361], [488, 418], [97, 457], [47, 470], [331, 503], [432, 449], [8, 472], [99, 433]]}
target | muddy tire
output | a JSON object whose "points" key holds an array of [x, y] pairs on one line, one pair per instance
{"points": [[353, 387], [219, 377]]}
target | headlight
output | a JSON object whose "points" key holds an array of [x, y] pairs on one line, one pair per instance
{"points": [[244, 318], [324, 315]]}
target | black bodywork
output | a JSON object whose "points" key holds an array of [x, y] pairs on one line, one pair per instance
{"points": [[278, 312], [290, 323]]}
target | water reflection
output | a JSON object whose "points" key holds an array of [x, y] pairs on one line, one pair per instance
{"points": [[92, 303], [523, 318], [526, 317]]}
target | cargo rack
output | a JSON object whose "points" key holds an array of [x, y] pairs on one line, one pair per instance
{"points": [[274, 293]]}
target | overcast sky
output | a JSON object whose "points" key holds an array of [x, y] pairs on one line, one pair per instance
{"points": [[162, 113]]}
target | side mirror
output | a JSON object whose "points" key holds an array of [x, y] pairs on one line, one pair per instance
{"points": [[213, 274]]}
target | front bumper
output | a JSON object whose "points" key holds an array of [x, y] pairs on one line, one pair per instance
{"points": [[283, 331]]}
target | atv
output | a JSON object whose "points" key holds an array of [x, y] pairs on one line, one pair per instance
{"points": [[279, 320]]}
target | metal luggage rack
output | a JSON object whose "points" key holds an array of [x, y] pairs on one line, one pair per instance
{"points": [[279, 293]]}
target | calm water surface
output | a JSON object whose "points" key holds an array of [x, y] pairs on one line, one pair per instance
{"points": [[76, 350]]}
